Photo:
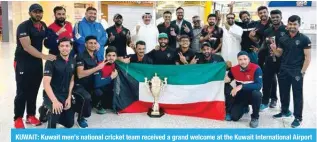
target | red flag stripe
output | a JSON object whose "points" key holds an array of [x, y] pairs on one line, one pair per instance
{"points": [[211, 110]]}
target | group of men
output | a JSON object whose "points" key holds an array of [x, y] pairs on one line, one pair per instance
{"points": [[79, 72]]}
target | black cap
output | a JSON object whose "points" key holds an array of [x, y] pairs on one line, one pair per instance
{"points": [[206, 44], [90, 37], [242, 53], [117, 16], [35, 7]]}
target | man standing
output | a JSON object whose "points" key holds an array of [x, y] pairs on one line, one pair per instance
{"points": [[257, 35], [84, 88], [164, 55], [140, 56], [184, 55], [170, 29], [119, 37], [147, 32], [58, 30], [246, 43], [184, 27], [247, 26], [28, 65], [231, 40], [212, 33], [248, 78], [272, 63], [58, 82], [295, 49], [196, 34], [89, 27]]}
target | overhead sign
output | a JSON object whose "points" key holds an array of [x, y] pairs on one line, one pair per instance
{"points": [[290, 4]]}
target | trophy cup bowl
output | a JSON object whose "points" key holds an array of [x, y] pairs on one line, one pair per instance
{"points": [[155, 86]]}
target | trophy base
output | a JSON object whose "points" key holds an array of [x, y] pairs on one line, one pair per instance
{"points": [[161, 113]]}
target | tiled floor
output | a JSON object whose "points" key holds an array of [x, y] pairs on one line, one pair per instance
{"points": [[110, 120]]}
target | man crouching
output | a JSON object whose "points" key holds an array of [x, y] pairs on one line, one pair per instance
{"points": [[248, 78]]}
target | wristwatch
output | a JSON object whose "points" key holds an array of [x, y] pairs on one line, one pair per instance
{"points": [[303, 73]]}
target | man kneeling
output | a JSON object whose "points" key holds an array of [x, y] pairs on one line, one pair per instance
{"points": [[248, 78], [58, 83]]}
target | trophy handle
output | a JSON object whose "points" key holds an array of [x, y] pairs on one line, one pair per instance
{"points": [[163, 84], [146, 81]]}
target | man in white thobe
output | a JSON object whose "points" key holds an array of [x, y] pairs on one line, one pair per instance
{"points": [[147, 32], [231, 40]]}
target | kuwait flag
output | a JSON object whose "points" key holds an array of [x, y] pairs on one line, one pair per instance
{"points": [[191, 90]]}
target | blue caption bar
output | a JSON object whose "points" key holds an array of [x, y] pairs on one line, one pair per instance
{"points": [[245, 135]]}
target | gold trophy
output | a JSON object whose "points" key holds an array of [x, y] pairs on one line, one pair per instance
{"points": [[155, 86]]}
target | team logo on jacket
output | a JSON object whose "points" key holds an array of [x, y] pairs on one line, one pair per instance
{"points": [[297, 42], [168, 55], [282, 33], [248, 77], [297, 78], [72, 66]]}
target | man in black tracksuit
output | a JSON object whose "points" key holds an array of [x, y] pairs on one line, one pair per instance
{"points": [[184, 55], [170, 29], [119, 37], [295, 49], [257, 35], [164, 55], [29, 66], [58, 84], [140, 56], [272, 63], [247, 44], [84, 80]]}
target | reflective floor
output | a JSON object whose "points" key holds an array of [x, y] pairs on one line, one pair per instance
{"points": [[110, 120]]}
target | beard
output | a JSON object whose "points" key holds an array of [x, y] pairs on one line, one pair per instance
{"points": [[292, 30], [164, 45], [35, 19], [111, 61], [212, 24], [60, 21], [246, 20], [207, 55], [118, 23]]}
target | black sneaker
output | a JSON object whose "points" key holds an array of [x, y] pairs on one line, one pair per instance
{"points": [[273, 103], [254, 123], [280, 115], [296, 123], [43, 114]]}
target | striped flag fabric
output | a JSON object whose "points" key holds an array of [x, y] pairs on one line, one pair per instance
{"points": [[191, 90]]}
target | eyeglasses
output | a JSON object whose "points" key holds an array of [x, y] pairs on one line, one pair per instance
{"points": [[196, 21], [230, 18]]}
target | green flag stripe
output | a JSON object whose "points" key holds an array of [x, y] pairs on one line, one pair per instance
{"points": [[177, 74]]}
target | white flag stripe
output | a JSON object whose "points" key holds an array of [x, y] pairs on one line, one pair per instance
{"points": [[184, 94]]}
